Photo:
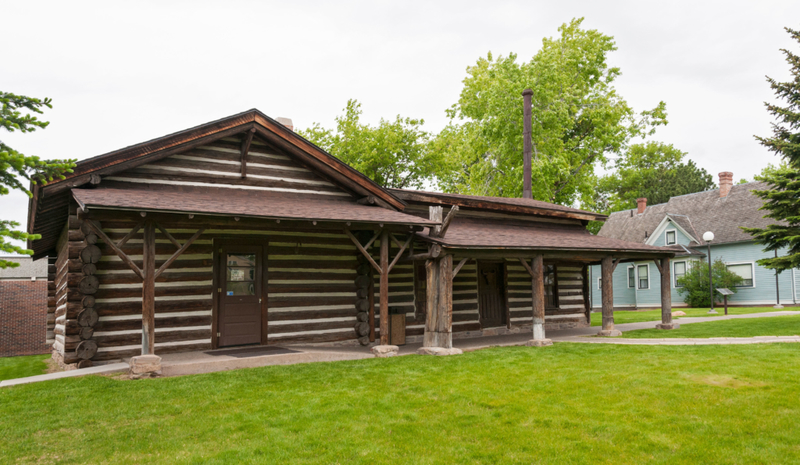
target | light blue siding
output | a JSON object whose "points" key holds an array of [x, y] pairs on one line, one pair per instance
{"points": [[762, 293], [681, 238]]}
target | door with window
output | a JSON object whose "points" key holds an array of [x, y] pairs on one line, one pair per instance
{"points": [[239, 319]]}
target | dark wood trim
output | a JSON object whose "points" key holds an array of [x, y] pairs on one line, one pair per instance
{"points": [[363, 249], [122, 255], [246, 148], [505, 294], [216, 284], [180, 251], [458, 267]]}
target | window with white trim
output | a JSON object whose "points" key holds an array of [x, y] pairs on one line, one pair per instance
{"points": [[644, 276], [599, 284], [678, 271], [631, 277], [745, 270], [671, 237]]}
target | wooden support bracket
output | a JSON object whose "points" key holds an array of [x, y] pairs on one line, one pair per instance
{"points": [[116, 248], [177, 254], [614, 266], [658, 265], [458, 267], [364, 249], [527, 267], [169, 236], [441, 230], [400, 253], [245, 148]]}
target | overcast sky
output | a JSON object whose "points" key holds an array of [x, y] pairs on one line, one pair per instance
{"points": [[123, 73]]}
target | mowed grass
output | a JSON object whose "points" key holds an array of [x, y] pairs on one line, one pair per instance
{"points": [[20, 367], [745, 327], [638, 316], [568, 403]]}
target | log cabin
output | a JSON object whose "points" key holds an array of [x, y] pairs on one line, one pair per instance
{"points": [[241, 232]]}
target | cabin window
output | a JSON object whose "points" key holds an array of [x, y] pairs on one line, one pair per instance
{"points": [[599, 284], [550, 287], [679, 270], [644, 277], [631, 277], [745, 270], [671, 237], [241, 274]]}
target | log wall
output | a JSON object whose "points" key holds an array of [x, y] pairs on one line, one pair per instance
{"points": [[571, 311]]}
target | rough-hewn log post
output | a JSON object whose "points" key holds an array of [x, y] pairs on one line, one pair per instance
{"points": [[666, 297], [384, 288], [431, 337], [607, 280], [148, 288], [444, 324], [537, 301]]}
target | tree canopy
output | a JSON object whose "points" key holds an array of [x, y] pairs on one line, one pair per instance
{"points": [[16, 115], [394, 154], [694, 284], [578, 120], [653, 170], [782, 201]]}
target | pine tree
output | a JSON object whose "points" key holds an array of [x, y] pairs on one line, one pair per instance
{"points": [[16, 167], [782, 200]]}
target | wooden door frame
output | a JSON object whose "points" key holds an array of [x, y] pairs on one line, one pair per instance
{"points": [[503, 284], [217, 243]]}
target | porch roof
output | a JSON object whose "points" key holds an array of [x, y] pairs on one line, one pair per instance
{"points": [[234, 202], [473, 233]]}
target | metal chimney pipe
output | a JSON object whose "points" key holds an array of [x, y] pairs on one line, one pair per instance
{"points": [[527, 146]]}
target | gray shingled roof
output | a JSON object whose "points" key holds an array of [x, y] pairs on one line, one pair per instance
{"points": [[27, 268], [696, 213]]}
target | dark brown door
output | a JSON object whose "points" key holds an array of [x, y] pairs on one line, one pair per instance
{"points": [[491, 299], [240, 299]]}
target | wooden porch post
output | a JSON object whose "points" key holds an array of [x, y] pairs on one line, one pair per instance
{"points": [[537, 301], [666, 296], [384, 287], [607, 280], [148, 288], [431, 337], [444, 324]]}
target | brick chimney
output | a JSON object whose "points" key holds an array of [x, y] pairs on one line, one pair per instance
{"points": [[642, 204], [725, 183], [286, 122]]}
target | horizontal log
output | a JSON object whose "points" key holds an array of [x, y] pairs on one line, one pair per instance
{"points": [[127, 353], [282, 302], [179, 263], [165, 336], [276, 315], [467, 327], [166, 277], [171, 322], [311, 326], [346, 334], [162, 306], [159, 292], [321, 287]]}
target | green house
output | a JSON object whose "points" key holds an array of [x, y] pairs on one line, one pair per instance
{"points": [[681, 223]]}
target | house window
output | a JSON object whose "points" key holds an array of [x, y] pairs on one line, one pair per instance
{"points": [[599, 284], [644, 277], [671, 237], [678, 270], [550, 287], [631, 277], [745, 270]]}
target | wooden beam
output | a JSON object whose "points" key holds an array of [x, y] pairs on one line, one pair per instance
{"points": [[666, 292], [439, 231], [246, 148], [371, 300], [130, 234], [658, 265], [368, 200], [614, 266], [527, 267], [384, 287], [169, 236], [364, 251], [122, 255], [537, 296], [458, 267], [177, 254], [149, 288], [400, 253], [607, 284], [434, 251]]}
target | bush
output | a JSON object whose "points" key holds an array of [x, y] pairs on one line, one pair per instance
{"points": [[695, 283]]}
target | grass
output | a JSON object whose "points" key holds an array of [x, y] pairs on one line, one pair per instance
{"points": [[569, 403], [20, 367], [772, 326], [637, 316]]}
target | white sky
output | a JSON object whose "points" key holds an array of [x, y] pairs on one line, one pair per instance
{"points": [[120, 74]]}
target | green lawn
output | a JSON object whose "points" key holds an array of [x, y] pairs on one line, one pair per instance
{"points": [[569, 403], [771, 326], [20, 367], [629, 316]]}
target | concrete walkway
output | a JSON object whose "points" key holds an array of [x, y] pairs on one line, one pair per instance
{"points": [[231, 359]]}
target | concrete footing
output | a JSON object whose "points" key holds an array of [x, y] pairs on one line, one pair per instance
{"points": [[439, 351], [385, 351], [145, 366], [539, 343], [777, 307], [609, 333], [668, 326]]}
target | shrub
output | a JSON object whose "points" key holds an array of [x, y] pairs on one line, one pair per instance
{"points": [[695, 283]]}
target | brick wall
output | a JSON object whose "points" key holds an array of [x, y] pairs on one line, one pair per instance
{"points": [[23, 317]]}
